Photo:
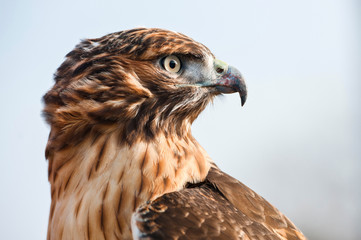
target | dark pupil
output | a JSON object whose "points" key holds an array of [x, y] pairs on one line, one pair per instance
{"points": [[172, 64]]}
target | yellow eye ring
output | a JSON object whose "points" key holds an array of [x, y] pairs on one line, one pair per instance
{"points": [[172, 64]]}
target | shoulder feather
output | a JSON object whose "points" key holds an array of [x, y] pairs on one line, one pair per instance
{"points": [[219, 208]]}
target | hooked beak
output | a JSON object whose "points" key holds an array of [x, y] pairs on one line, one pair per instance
{"points": [[229, 80]]}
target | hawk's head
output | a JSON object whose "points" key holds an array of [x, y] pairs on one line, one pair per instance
{"points": [[140, 82]]}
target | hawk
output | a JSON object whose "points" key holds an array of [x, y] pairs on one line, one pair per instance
{"points": [[123, 163]]}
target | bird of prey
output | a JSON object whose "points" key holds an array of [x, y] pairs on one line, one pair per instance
{"points": [[123, 163]]}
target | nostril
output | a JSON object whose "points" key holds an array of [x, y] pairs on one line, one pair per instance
{"points": [[220, 67], [219, 70]]}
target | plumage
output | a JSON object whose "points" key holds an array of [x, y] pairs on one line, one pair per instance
{"points": [[122, 160], [220, 207]]}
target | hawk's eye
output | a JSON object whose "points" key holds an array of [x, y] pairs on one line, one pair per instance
{"points": [[172, 64]]}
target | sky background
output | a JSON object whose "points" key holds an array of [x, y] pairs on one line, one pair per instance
{"points": [[296, 142]]}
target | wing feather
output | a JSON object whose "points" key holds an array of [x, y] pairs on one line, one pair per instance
{"points": [[219, 208], [253, 205]]}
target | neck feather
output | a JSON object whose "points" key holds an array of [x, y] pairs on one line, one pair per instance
{"points": [[97, 184]]}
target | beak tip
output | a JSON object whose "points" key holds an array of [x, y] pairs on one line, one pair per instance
{"points": [[243, 99]]}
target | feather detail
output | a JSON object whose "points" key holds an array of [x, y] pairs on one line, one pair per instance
{"points": [[121, 179], [220, 207]]}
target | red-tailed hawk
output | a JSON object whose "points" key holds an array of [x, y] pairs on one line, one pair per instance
{"points": [[123, 162]]}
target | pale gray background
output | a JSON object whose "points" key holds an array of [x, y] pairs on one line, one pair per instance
{"points": [[296, 142]]}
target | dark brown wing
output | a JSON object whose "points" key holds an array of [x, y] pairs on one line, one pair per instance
{"points": [[219, 208], [253, 205]]}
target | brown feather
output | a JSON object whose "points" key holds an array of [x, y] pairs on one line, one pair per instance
{"points": [[213, 209]]}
